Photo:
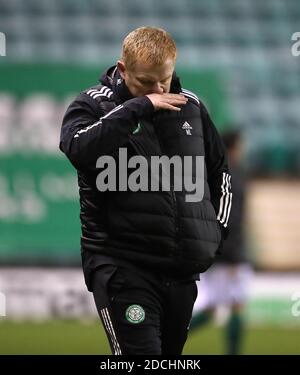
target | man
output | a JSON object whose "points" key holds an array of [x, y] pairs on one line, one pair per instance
{"points": [[226, 282], [143, 250]]}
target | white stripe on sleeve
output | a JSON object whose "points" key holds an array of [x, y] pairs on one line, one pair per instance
{"points": [[84, 130], [225, 200]]}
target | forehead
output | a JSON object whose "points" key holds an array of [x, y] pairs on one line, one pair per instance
{"points": [[151, 71]]}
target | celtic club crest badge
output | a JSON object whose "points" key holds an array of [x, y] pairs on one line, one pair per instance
{"points": [[135, 314]]}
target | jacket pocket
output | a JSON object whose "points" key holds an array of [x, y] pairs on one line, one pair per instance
{"points": [[115, 283]]}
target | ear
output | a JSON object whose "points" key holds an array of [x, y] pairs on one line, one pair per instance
{"points": [[121, 68]]}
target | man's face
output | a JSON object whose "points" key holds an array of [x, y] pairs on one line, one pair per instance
{"points": [[144, 79]]}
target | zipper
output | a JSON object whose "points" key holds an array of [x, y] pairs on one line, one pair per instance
{"points": [[137, 147], [175, 208], [176, 216], [140, 150]]}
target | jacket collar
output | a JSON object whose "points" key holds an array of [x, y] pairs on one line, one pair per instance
{"points": [[112, 79]]}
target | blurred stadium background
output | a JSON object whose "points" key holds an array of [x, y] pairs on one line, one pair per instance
{"points": [[236, 55]]}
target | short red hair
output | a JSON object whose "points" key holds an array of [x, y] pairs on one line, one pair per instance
{"points": [[148, 44]]}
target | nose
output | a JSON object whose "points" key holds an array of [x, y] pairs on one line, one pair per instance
{"points": [[157, 88]]}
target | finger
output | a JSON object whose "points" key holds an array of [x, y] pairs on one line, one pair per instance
{"points": [[173, 95], [170, 107], [176, 97], [176, 102]]}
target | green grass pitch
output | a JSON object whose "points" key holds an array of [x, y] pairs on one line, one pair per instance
{"points": [[73, 337]]}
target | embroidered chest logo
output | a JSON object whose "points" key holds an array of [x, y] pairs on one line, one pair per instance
{"points": [[135, 314], [188, 128], [137, 129]]}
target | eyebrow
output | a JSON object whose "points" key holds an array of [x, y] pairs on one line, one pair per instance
{"points": [[143, 78]]}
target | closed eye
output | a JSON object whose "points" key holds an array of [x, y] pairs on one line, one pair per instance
{"points": [[143, 82]]}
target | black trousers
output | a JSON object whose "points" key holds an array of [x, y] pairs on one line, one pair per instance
{"points": [[143, 314]]}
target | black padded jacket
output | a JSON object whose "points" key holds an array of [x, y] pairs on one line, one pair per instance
{"points": [[158, 230]]}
